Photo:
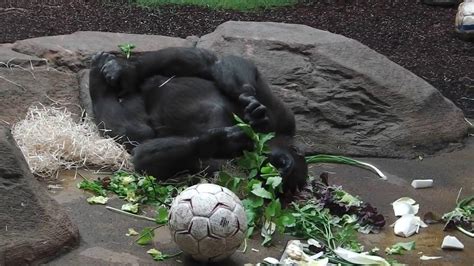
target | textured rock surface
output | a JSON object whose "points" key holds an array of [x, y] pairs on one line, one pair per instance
{"points": [[84, 95], [347, 98], [9, 58], [34, 227], [74, 50], [19, 89]]}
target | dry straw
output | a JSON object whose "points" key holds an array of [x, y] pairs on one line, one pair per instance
{"points": [[51, 140]]}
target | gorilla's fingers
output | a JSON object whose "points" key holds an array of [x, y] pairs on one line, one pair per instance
{"points": [[246, 99], [112, 71], [251, 107], [259, 112]]}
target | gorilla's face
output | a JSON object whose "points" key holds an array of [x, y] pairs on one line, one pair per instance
{"points": [[290, 161]]}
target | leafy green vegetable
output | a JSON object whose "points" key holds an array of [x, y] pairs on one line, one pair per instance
{"points": [[312, 221], [93, 186], [398, 248], [323, 158], [160, 256], [97, 200], [161, 215], [146, 236], [461, 217], [130, 207], [126, 49]]}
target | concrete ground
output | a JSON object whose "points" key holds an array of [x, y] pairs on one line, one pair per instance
{"points": [[103, 239]]}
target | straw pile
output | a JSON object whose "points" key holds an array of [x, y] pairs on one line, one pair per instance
{"points": [[51, 140]]}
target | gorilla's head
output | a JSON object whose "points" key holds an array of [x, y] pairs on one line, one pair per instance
{"points": [[290, 161]]}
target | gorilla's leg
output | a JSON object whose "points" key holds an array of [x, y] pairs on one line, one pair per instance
{"points": [[120, 118], [164, 157]]}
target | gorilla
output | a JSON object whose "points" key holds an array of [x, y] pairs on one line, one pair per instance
{"points": [[173, 110]]}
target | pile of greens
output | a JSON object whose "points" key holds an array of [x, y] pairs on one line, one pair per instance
{"points": [[462, 217], [330, 215]]}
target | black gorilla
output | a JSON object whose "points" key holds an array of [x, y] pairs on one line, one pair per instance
{"points": [[175, 105]]}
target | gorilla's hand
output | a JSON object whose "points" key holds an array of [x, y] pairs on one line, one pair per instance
{"points": [[292, 166], [116, 72], [255, 113], [227, 142]]}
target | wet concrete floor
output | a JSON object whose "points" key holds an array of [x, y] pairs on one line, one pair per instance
{"points": [[103, 239]]}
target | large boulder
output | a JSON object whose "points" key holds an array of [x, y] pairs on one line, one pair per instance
{"points": [[10, 58], [21, 88], [74, 50], [34, 227], [347, 98]]}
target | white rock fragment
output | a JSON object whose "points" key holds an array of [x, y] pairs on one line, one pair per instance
{"points": [[404, 206], [408, 225], [422, 183], [451, 242], [271, 261]]}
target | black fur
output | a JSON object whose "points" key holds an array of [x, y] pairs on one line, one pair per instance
{"points": [[177, 103]]}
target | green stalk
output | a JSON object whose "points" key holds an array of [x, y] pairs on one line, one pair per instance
{"points": [[323, 158]]}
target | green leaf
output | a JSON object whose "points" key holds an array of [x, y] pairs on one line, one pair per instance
{"points": [[160, 256], [261, 192], [254, 183], [273, 209], [252, 202], [349, 199], [162, 215], [286, 220], [97, 200], [266, 170], [274, 181], [266, 137], [146, 236], [398, 248], [92, 186]]}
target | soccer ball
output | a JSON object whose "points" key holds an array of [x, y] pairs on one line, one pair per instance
{"points": [[208, 222], [465, 19]]}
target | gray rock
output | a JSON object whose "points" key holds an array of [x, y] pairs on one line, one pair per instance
{"points": [[347, 98], [19, 89], [10, 58], [34, 228], [74, 50], [84, 94]]}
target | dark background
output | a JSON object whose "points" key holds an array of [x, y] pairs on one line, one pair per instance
{"points": [[421, 38]]}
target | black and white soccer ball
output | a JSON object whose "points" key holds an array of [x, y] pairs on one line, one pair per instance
{"points": [[208, 222], [465, 19]]}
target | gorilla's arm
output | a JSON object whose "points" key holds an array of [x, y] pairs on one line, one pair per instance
{"points": [[123, 119], [164, 157], [238, 78]]}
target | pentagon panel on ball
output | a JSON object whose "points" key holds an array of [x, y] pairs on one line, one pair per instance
{"points": [[207, 222]]}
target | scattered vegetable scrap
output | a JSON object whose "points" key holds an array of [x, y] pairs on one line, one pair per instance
{"points": [[461, 217], [97, 200], [429, 257], [398, 248]]}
